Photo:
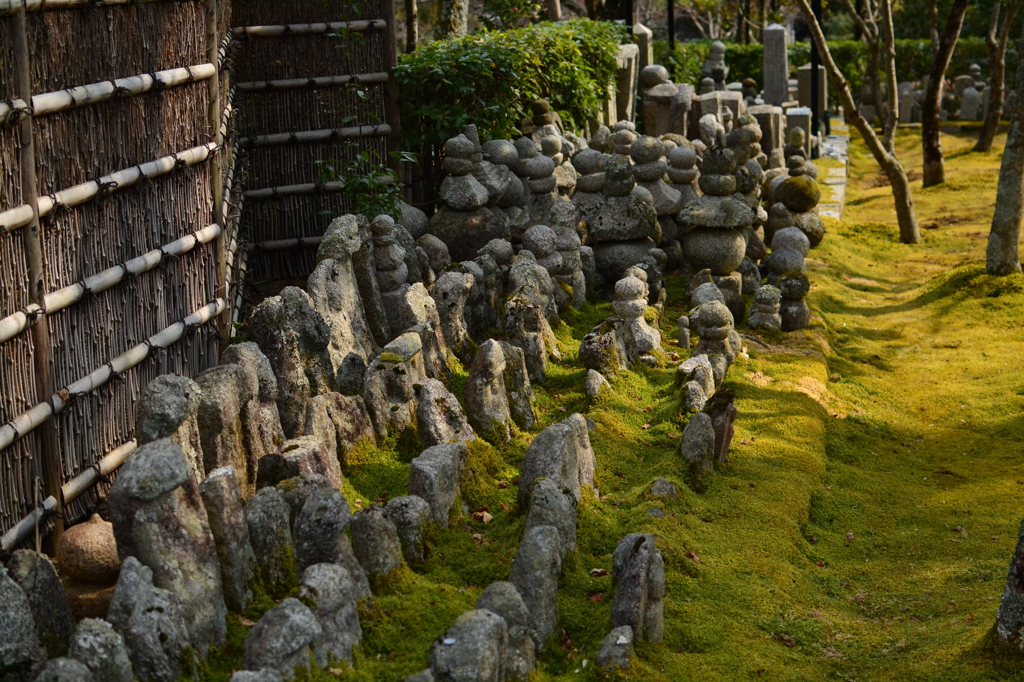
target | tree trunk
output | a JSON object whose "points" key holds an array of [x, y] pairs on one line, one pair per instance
{"points": [[933, 25], [996, 43], [1003, 252], [412, 25], [454, 18], [931, 125], [910, 233], [892, 115]]}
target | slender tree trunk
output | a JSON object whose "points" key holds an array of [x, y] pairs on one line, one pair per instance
{"points": [[910, 233], [1003, 253], [412, 25], [996, 43], [892, 117], [931, 125], [454, 19], [933, 26]]}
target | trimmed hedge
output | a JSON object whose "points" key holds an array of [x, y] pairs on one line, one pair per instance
{"points": [[490, 77], [913, 59]]}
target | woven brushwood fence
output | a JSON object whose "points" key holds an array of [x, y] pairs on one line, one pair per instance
{"points": [[149, 150], [313, 87]]}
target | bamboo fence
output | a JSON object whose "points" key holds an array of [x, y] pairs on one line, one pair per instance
{"points": [[154, 177]]}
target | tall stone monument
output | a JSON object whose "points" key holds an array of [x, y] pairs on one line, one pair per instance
{"points": [[776, 65]]}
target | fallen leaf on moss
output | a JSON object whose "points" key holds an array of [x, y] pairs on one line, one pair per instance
{"points": [[502, 484], [693, 555], [596, 596], [478, 538], [246, 622], [646, 426], [598, 573], [482, 516]]}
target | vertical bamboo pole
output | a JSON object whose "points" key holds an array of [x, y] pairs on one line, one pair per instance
{"points": [[217, 162], [42, 360], [391, 113]]}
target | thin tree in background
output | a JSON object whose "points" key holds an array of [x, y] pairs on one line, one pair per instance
{"points": [[867, 18], [412, 25], [931, 123], [910, 233], [996, 42], [1003, 252], [454, 20]]}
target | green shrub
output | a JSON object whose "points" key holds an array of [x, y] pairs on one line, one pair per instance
{"points": [[490, 77]]}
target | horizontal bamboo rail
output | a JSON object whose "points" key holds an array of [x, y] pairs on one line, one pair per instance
{"points": [[9, 6], [307, 29], [84, 95], [283, 244], [307, 136], [58, 300], [70, 490], [29, 420], [283, 191], [79, 194], [311, 83]]}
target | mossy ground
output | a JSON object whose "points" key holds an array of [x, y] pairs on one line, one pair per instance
{"points": [[864, 524]]}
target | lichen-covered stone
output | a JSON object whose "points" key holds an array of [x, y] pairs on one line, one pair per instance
{"points": [[439, 416], [294, 337], [152, 622], [410, 514], [375, 542], [102, 649], [226, 392], [268, 521], [551, 506], [65, 670], [261, 421], [340, 421], [535, 572], [503, 599], [21, 654], [167, 408], [332, 595], [389, 387], [46, 597], [435, 478], [222, 498], [698, 448], [473, 648], [159, 518], [282, 639]]}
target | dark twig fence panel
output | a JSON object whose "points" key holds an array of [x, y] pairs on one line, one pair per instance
{"points": [[149, 123], [300, 67]]}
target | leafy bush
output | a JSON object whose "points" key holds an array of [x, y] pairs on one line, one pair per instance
{"points": [[490, 77], [913, 59]]}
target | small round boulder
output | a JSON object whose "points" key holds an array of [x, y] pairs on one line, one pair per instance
{"points": [[646, 149], [589, 161], [721, 251], [501, 152], [682, 157], [88, 552], [794, 285], [799, 194], [540, 240], [719, 161], [653, 74], [459, 147]]}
